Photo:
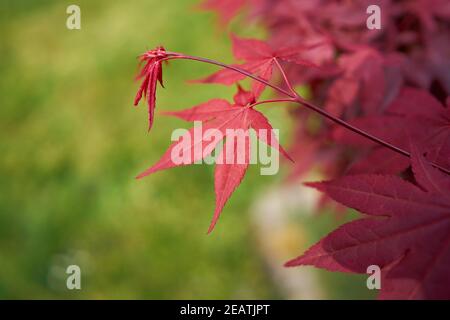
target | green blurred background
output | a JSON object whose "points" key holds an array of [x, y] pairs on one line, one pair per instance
{"points": [[71, 144]]}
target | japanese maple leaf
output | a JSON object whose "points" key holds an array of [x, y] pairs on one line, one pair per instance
{"points": [[406, 233], [221, 116], [151, 73], [260, 59]]}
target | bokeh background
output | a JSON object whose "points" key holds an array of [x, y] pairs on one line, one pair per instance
{"points": [[71, 144]]}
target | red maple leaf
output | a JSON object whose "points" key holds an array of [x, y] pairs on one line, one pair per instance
{"points": [[220, 115], [260, 59], [151, 73], [407, 233]]}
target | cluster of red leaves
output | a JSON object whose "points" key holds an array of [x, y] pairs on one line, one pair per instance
{"points": [[219, 114], [393, 83], [363, 70]]}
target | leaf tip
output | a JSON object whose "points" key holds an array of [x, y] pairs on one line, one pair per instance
{"points": [[319, 185], [292, 263]]}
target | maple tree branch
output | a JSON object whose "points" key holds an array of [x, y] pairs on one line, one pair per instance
{"points": [[295, 97]]}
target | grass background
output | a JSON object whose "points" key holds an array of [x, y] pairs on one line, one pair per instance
{"points": [[71, 144]]}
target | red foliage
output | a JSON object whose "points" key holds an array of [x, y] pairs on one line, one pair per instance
{"points": [[220, 115], [260, 58], [386, 94], [407, 234]]}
